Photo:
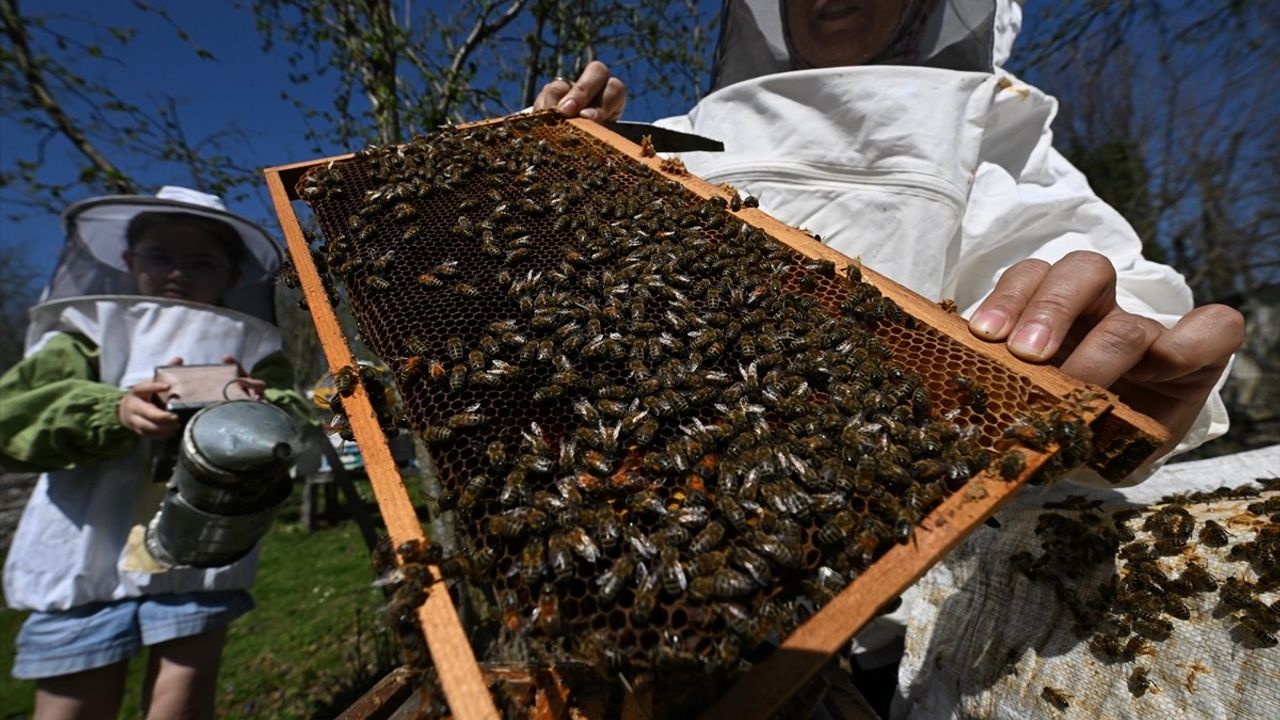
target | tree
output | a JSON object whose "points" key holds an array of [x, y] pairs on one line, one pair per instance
{"points": [[402, 71], [394, 69], [1167, 108], [47, 89], [17, 293]]}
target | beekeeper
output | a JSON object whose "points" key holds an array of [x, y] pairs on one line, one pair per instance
{"points": [[142, 282], [889, 128]]}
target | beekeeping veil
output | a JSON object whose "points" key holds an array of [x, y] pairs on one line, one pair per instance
{"points": [[92, 262], [949, 34]]}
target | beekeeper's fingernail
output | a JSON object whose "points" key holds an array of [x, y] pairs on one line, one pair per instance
{"points": [[568, 106], [1030, 340], [988, 323], [589, 113]]}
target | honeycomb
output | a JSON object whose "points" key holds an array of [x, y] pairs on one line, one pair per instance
{"points": [[667, 437]]}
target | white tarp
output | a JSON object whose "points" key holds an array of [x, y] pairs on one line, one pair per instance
{"points": [[984, 641]]}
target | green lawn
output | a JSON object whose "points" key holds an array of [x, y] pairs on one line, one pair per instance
{"points": [[313, 644]]}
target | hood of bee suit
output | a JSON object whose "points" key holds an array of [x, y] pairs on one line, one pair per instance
{"points": [[92, 261], [971, 35]]}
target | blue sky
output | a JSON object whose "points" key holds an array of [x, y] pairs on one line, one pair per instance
{"points": [[241, 87]]}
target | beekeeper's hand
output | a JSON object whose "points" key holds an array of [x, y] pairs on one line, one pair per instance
{"points": [[1067, 312], [595, 96]]}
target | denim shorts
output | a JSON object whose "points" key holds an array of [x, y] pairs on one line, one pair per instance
{"points": [[63, 642]]}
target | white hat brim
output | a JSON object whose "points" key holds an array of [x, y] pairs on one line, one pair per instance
{"points": [[100, 223]]}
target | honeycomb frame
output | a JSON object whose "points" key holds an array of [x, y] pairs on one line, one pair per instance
{"points": [[775, 678]]}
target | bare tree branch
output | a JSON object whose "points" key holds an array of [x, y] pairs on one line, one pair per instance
{"points": [[480, 31], [13, 27]]}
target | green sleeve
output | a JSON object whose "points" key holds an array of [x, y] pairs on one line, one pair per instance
{"points": [[54, 414], [277, 373]]}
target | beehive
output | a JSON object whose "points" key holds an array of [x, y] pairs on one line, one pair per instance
{"points": [[670, 432]]}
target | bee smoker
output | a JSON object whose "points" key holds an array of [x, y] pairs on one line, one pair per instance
{"points": [[229, 479]]}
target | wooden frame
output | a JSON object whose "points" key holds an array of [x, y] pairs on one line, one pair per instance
{"points": [[761, 691]]}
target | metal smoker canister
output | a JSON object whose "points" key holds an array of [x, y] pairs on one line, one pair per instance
{"points": [[231, 479]]}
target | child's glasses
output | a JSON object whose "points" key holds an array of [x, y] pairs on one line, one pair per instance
{"points": [[162, 264]]}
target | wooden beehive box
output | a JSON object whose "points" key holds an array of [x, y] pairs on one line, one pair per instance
{"points": [[488, 263]]}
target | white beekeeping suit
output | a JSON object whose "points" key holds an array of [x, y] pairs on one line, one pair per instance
{"points": [[77, 542], [939, 174]]}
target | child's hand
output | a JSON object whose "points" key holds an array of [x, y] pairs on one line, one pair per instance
{"points": [[253, 386], [138, 412]]}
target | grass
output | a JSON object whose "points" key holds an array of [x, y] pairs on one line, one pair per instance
{"points": [[312, 645]]}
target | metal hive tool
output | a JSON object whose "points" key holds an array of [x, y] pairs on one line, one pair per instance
{"points": [[671, 427]]}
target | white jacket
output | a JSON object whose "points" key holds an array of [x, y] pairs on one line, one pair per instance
{"points": [[77, 540], [937, 178]]}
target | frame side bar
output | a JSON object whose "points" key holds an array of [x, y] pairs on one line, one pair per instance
{"points": [[460, 675]]}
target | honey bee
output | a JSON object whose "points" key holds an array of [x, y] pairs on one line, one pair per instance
{"points": [[646, 593], [640, 544], [732, 512], [464, 420], [597, 462], [454, 347], [429, 280], [754, 565], [436, 369], [560, 556], [376, 282], [672, 572], [420, 552], [708, 538], [1139, 682], [1213, 534], [1012, 463], [841, 526], [725, 583], [458, 377], [616, 577], [1028, 432], [471, 492], [515, 523], [586, 411], [1199, 578], [608, 531], [582, 544], [464, 228], [437, 435], [1113, 649], [784, 551], [414, 345], [1263, 632], [547, 393], [466, 290], [345, 380], [1056, 697], [547, 613], [489, 346], [513, 490]]}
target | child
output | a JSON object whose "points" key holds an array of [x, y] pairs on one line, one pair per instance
{"points": [[80, 407]]}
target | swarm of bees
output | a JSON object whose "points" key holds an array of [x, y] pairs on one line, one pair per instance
{"points": [[1160, 582], [345, 381], [667, 437]]}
